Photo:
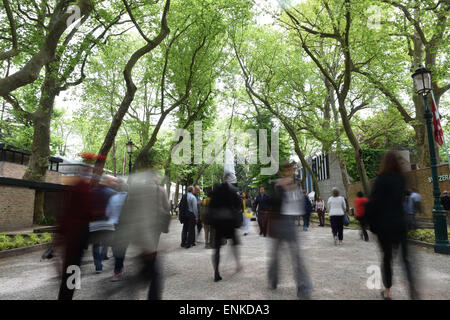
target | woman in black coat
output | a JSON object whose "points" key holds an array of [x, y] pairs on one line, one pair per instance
{"points": [[387, 219]]}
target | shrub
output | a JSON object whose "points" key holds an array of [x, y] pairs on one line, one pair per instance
{"points": [[47, 221], [46, 237]]}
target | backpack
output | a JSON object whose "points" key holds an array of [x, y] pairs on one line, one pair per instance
{"points": [[183, 208]]}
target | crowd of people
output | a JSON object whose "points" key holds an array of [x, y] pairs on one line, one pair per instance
{"points": [[109, 213]]}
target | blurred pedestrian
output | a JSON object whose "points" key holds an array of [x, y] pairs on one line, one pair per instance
{"points": [[286, 203], [308, 210], [247, 212], [101, 230], [320, 208], [386, 217], [145, 216], [225, 216], [360, 204], [199, 223], [207, 229], [408, 206], [74, 229], [336, 211], [260, 207]]}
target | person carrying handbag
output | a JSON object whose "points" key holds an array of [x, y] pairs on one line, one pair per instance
{"points": [[336, 211]]}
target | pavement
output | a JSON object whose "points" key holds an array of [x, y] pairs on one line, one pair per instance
{"points": [[337, 272]]}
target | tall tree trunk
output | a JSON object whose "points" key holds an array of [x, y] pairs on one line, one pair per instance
{"points": [[357, 148], [131, 87], [114, 159], [40, 148]]}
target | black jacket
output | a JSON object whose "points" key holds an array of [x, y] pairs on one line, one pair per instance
{"points": [[385, 212], [262, 201], [446, 202], [225, 209]]}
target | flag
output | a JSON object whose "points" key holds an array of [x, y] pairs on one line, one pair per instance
{"points": [[124, 163], [438, 133]]}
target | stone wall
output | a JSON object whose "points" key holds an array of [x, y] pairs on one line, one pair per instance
{"points": [[16, 207], [14, 170], [418, 179], [335, 179]]}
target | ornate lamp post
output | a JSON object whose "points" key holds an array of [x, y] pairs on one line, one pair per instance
{"points": [[422, 84], [130, 150]]}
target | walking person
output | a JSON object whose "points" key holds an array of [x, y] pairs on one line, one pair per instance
{"points": [[286, 204], [225, 216], [207, 229], [145, 216], [386, 217], [336, 211], [408, 206], [190, 220], [199, 223], [247, 212], [308, 210], [360, 204], [101, 230], [74, 230], [260, 207], [320, 208]]}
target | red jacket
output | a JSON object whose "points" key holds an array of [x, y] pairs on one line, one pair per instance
{"points": [[360, 206]]}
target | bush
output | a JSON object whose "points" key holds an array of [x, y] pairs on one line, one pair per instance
{"points": [[19, 241], [47, 221]]}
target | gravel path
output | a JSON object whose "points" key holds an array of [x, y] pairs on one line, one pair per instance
{"points": [[337, 272]]}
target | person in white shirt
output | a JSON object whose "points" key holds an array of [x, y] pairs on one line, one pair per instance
{"points": [[336, 211]]}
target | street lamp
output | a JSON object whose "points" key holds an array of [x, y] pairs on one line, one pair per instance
{"points": [[422, 84], [130, 149]]}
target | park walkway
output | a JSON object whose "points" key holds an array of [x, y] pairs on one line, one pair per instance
{"points": [[337, 272]]}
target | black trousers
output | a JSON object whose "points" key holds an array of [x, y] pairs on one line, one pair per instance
{"points": [[337, 226], [219, 235], [152, 273], [388, 244], [363, 225], [75, 244], [188, 232], [262, 221]]}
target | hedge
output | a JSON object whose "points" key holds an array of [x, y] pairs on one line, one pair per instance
{"points": [[17, 241]]}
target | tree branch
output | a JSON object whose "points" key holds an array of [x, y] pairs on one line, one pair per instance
{"points": [[14, 51]]}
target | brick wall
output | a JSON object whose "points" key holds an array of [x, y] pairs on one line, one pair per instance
{"points": [[16, 207], [14, 170], [418, 179]]}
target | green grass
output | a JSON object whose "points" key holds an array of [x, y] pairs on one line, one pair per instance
{"points": [[19, 241]]}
